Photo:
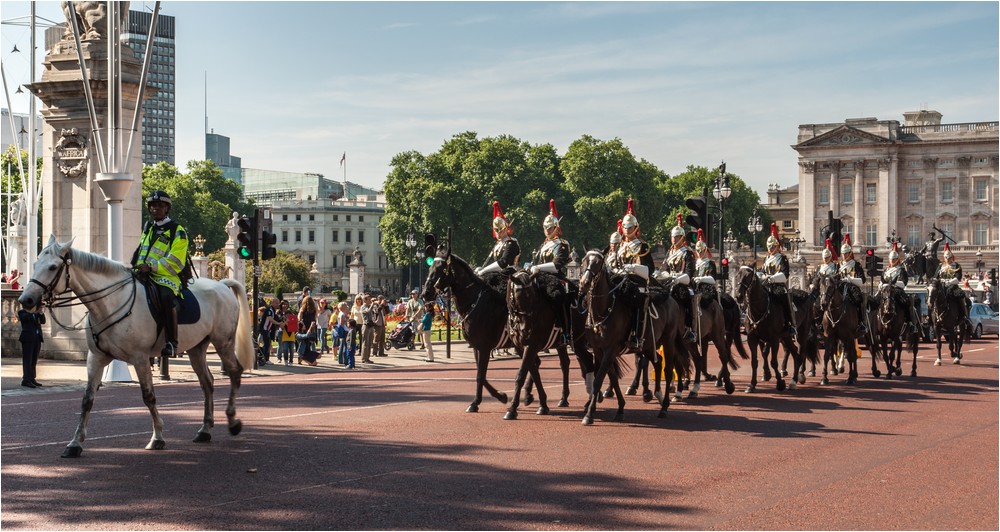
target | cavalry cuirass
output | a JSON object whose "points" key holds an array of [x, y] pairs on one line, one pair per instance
{"points": [[705, 267], [775, 264], [551, 251], [632, 251], [950, 271], [893, 274], [828, 269], [505, 252], [849, 268], [680, 260]]}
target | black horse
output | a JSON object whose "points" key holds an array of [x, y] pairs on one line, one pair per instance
{"points": [[609, 319], [946, 319], [890, 329], [482, 308], [840, 326], [920, 268], [531, 321]]}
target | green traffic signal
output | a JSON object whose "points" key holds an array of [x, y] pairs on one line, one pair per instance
{"points": [[244, 252], [429, 261]]}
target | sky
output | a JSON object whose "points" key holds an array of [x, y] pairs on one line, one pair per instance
{"points": [[295, 85]]}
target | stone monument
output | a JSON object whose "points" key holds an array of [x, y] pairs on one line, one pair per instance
{"points": [[357, 274], [18, 235]]}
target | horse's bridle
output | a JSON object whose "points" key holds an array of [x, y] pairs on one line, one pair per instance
{"points": [[48, 291], [594, 322], [743, 292], [825, 302]]}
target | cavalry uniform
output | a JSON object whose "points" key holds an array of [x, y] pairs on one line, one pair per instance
{"points": [[614, 242], [775, 273], [506, 251], [704, 269], [678, 268], [950, 274], [853, 273], [894, 279], [634, 259], [551, 258], [162, 255]]}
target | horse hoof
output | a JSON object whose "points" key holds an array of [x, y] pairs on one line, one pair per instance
{"points": [[631, 390], [750, 389], [202, 437], [236, 427], [719, 383], [600, 398], [473, 408], [692, 395], [730, 388], [784, 373], [956, 361], [812, 373], [510, 415], [647, 396], [587, 420], [888, 376], [899, 372], [937, 362], [781, 385], [528, 399], [609, 393], [802, 378], [662, 414], [503, 398], [824, 382], [543, 411], [156, 445], [658, 396], [767, 377], [878, 374], [913, 373], [72, 451], [563, 403]]}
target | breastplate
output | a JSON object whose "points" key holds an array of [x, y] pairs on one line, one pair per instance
{"points": [[947, 272], [892, 274], [629, 252], [675, 262], [847, 269], [547, 253], [701, 269], [828, 270], [773, 264]]}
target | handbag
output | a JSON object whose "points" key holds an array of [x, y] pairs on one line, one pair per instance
{"points": [[340, 331]]}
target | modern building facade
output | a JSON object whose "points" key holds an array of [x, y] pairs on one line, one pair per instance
{"points": [[880, 177], [217, 151], [19, 137], [159, 110]]}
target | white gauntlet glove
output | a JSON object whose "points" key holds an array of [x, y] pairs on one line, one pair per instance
{"points": [[549, 267], [492, 267], [778, 278], [637, 269]]}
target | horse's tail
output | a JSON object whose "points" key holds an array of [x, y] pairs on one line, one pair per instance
{"points": [[244, 327]]}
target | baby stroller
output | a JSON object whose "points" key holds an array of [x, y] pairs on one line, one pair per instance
{"points": [[401, 336]]}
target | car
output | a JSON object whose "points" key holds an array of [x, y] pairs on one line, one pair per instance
{"points": [[984, 320]]}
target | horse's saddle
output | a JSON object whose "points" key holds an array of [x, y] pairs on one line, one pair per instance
{"points": [[188, 307]]}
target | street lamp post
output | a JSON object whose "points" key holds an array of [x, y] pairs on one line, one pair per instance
{"points": [[411, 243], [722, 192], [754, 226], [420, 268], [979, 262], [796, 255]]}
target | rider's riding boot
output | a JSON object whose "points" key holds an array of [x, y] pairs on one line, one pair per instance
{"points": [[635, 342], [170, 346], [790, 316], [567, 337]]}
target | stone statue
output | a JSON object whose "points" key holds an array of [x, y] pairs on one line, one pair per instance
{"points": [[356, 255], [91, 18], [17, 216], [232, 229]]}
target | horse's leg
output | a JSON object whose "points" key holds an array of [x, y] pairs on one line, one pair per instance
{"points": [[528, 364], [852, 360], [207, 382], [829, 347], [914, 346], [752, 342], [543, 404], [602, 370], [620, 414], [95, 368], [647, 394], [640, 370], [564, 366], [779, 380], [700, 366], [937, 335], [145, 376], [668, 371]]}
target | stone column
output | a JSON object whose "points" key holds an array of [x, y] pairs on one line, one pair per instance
{"points": [[835, 188], [808, 201], [859, 203], [887, 196]]}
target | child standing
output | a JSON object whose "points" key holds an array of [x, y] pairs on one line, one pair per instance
{"points": [[425, 330], [288, 331], [352, 342]]}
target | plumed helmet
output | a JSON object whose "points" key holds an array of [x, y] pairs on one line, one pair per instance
{"points": [[552, 220], [947, 251], [846, 247], [500, 223], [701, 246], [629, 220], [894, 253], [678, 229], [159, 195], [616, 237], [773, 240], [828, 251]]}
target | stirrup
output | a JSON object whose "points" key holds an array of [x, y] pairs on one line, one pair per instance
{"points": [[792, 330], [169, 350], [690, 336]]}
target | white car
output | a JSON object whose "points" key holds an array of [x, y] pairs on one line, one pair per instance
{"points": [[984, 320]]}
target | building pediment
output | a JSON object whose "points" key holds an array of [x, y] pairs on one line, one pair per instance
{"points": [[844, 136]]}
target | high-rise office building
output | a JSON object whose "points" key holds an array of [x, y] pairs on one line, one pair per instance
{"points": [[158, 110], [217, 151]]}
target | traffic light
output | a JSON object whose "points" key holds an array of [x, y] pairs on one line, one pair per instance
{"points": [[247, 238], [267, 242], [724, 268], [430, 248], [836, 233], [877, 263], [699, 218], [870, 261], [992, 276]]}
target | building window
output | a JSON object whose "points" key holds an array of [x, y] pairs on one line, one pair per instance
{"points": [[298, 236], [913, 192], [980, 188], [284, 236], [312, 217], [312, 238], [348, 217], [361, 237], [947, 191], [948, 228], [979, 230], [284, 217], [336, 217], [361, 218], [334, 262], [336, 235], [380, 262], [312, 259], [913, 235], [379, 233], [786, 224], [847, 193], [871, 193], [347, 235], [871, 234], [824, 194], [298, 217]]}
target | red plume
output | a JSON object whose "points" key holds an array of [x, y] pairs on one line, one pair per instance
{"points": [[895, 247], [947, 247], [847, 239], [774, 231], [620, 231], [833, 252], [631, 207], [552, 208], [701, 235], [680, 219], [496, 209]]}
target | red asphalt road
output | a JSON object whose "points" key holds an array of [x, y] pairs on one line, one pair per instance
{"points": [[394, 449]]}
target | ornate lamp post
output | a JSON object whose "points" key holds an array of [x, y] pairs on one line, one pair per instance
{"points": [[420, 268], [979, 262], [730, 242], [411, 243], [754, 226], [796, 256], [722, 192], [199, 246]]}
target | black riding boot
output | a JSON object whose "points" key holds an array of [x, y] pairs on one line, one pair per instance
{"points": [[170, 330], [789, 316], [567, 336]]}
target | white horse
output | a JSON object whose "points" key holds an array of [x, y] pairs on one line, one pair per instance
{"points": [[120, 326]]}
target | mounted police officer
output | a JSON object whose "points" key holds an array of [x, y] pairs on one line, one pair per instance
{"points": [[853, 273], [950, 274], [634, 259], [614, 242], [551, 258], [895, 276], [506, 251], [775, 276], [161, 255], [678, 268]]}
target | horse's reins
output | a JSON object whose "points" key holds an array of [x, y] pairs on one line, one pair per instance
{"points": [[590, 323], [752, 324]]}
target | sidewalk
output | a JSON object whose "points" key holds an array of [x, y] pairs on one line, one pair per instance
{"points": [[63, 375]]}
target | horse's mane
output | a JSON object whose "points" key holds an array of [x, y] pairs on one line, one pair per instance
{"points": [[96, 263]]}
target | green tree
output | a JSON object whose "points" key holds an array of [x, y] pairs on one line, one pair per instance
{"points": [[284, 273], [11, 163]]}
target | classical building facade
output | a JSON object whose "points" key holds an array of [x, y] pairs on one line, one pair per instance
{"points": [[880, 177]]}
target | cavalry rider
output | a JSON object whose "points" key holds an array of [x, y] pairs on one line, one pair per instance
{"points": [[852, 272], [161, 255], [679, 269], [950, 274], [634, 259], [775, 269], [704, 268], [614, 242], [552, 257], [895, 275], [506, 251], [829, 267]]}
